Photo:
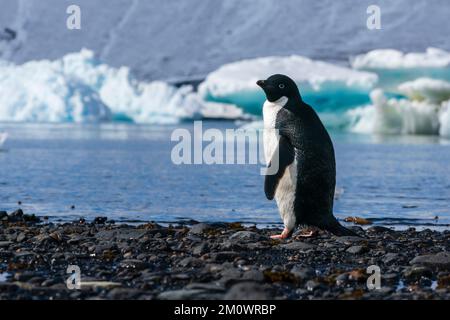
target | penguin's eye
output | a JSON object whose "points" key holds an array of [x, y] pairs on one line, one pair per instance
{"points": [[281, 86]]}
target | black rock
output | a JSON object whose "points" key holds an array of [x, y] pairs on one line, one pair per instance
{"points": [[247, 236], [200, 228], [416, 272], [247, 291], [303, 273], [298, 246], [100, 220], [439, 261], [357, 249], [200, 249], [253, 275], [391, 258]]}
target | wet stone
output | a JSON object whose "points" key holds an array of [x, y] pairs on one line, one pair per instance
{"points": [[356, 249], [439, 261], [247, 236], [200, 228], [226, 261], [247, 291], [297, 246]]}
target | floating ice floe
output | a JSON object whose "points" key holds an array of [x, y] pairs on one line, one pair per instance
{"points": [[432, 90], [444, 120], [394, 67], [394, 59], [78, 88], [400, 116], [3, 137], [326, 86]]}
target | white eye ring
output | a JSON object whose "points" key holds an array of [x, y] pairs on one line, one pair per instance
{"points": [[281, 86]]}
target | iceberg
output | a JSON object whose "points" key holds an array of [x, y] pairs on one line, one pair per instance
{"points": [[3, 137], [78, 88], [432, 90], [325, 86], [399, 116], [394, 67], [444, 120], [394, 59]]}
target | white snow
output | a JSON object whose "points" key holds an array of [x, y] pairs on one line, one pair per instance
{"points": [[394, 59], [181, 39]]}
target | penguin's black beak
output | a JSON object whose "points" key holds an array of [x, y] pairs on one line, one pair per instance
{"points": [[261, 83]]}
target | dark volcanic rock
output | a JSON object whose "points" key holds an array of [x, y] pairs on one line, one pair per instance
{"points": [[297, 246], [440, 260], [253, 275], [379, 229], [216, 261], [200, 228], [391, 258], [357, 249], [416, 273], [248, 236], [247, 291], [3, 214]]}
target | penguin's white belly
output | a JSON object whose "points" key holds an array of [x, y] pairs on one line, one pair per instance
{"points": [[285, 192]]}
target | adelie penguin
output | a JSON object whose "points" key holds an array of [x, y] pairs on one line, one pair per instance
{"points": [[296, 142]]}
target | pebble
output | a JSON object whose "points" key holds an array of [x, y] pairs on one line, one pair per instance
{"points": [[297, 246], [247, 291], [356, 249], [247, 236], [216, 261], [200, 228], [439, 261]]}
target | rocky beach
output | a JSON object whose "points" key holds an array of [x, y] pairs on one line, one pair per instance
{"points": [[215, 261]]}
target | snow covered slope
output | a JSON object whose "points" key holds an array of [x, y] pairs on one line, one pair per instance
{"points": [[183, 39]]}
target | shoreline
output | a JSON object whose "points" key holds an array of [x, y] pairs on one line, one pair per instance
{"points": [[216, 261]]}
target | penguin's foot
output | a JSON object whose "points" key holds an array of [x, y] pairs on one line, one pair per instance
{"points": [[283, 235], [308, 233]]}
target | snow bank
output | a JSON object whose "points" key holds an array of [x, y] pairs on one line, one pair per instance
{"points": [[77, 88], [324, 85]]}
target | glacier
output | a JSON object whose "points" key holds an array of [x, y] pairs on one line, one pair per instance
{"points": [[162, 40]]}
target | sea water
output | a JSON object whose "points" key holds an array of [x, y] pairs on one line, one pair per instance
{"points": [[125, 172]]}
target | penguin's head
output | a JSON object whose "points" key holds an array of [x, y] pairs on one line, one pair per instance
{"points": [[278, 86]]}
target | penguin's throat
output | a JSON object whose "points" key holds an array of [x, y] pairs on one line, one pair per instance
{"points": [[280, 103], [270, 111]]}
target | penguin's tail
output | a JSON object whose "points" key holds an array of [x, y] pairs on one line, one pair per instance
{"points": [[339, 230]]}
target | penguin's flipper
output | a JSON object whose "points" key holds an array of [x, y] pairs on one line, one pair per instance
{"points": [[283, 156]]}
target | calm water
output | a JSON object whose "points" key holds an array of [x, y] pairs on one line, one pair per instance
{"points": [[125, 172]]}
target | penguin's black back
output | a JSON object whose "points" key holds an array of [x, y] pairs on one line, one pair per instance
{"points": [[316, 165]]}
